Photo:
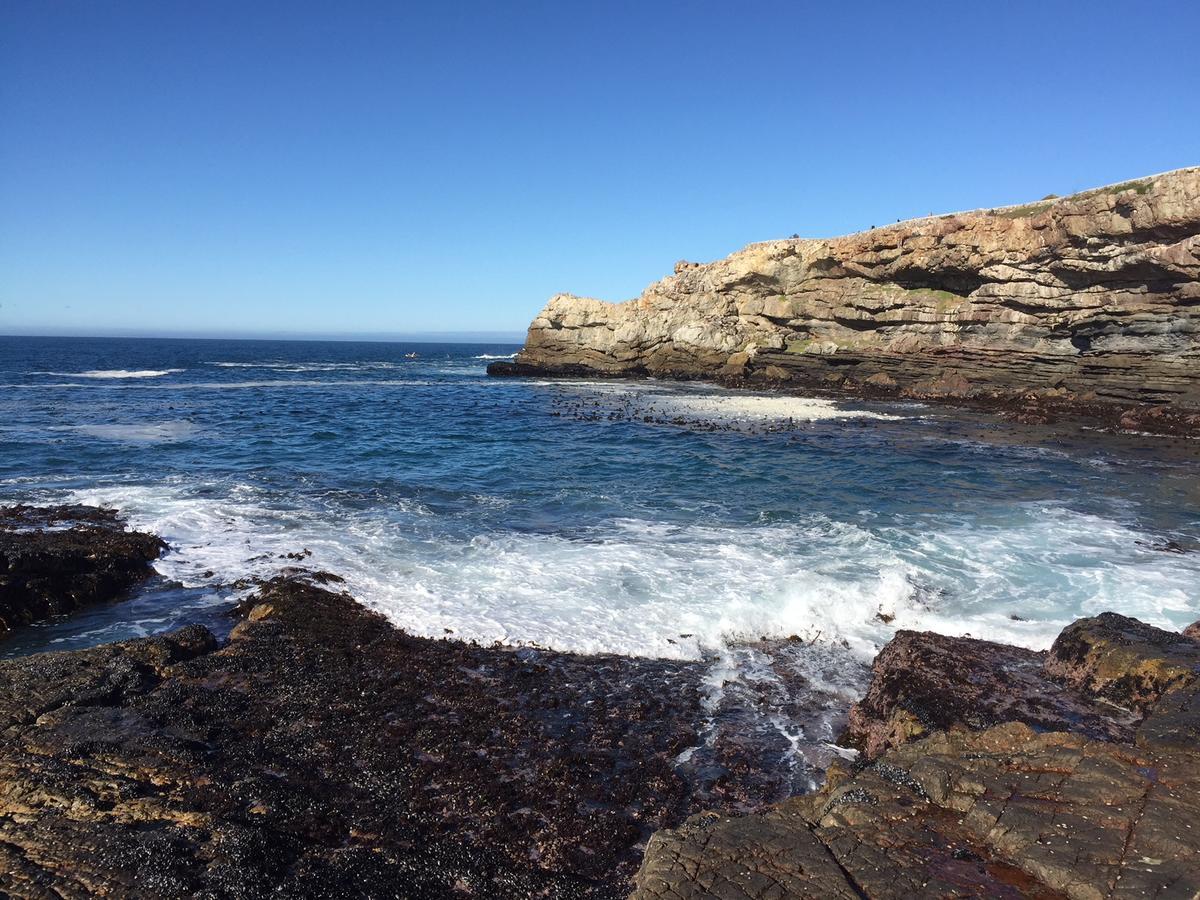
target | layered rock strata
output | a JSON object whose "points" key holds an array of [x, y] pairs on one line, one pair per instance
{"points": [[1090, 789], [1089, 299], [54, 560]]}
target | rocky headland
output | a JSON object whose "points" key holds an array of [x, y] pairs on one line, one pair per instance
{"points": [[1086, 306], [322, 752]]}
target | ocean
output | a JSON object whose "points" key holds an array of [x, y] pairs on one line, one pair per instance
{"points": [[642, 518]]}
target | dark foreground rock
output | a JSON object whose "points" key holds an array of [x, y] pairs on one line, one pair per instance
{"points": [[56, 559], [1090, 790], [322, 752]]}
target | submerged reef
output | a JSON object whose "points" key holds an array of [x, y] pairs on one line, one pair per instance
{"points": [[1086, 306]]}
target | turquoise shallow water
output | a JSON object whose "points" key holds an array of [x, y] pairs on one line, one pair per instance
{"points": [[553, 513]]}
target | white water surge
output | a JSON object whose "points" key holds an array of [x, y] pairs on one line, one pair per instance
{"points": [[105, 374], [647, 588], [742, 408]]}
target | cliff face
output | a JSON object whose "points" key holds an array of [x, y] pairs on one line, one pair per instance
{"points": [[1096, 295]]}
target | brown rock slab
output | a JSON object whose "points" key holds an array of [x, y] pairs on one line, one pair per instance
{"points": [[1004, 812], [774, 855], [1091, 789], [923, 683]]}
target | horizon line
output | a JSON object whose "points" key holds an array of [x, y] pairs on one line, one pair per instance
{"points": [[398, 337]]}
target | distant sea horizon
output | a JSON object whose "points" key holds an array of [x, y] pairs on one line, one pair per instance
{"points": [[385, 337]]}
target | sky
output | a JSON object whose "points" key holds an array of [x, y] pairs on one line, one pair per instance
{"points": [[204, 166]]}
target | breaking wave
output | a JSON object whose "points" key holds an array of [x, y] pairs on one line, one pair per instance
{"points": [[115, 373]]}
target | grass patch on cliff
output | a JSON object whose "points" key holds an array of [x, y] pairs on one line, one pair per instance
{"points": [[942, 300], [1029, 209], [1140, 186]]}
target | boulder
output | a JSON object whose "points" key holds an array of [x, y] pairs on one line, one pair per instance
{"points": [[1122, 661], [923, 683]]}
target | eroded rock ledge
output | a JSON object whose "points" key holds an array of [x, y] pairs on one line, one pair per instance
{"points": [[1088, 304], [1089, 786]]}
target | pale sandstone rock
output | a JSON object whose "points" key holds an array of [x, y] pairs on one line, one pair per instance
{"points": [[1097, 292]]}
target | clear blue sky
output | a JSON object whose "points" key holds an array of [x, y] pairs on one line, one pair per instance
{"points": [[392, 167]]}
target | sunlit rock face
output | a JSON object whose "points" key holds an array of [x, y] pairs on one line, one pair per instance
{"points": [[1096, 296]]}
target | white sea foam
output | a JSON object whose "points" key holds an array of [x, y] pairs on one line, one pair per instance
{"points": [[141, 433], [495, 356], [638, 587], [733, 407], [364, 366], [115, 373], [705, 404]]}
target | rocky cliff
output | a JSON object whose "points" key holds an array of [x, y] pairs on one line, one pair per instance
{"points": [[1094, 297]]}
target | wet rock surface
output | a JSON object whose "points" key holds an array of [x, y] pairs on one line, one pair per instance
{"points": [[322, 752], [56, 559], [1091, 789], [923, 683], [1123, 661]]}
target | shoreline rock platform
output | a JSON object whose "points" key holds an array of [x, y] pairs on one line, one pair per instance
{"points": [[322, 752], [1083, 307]]}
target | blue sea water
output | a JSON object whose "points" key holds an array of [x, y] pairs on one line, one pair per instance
{"points": [[641, 517]]}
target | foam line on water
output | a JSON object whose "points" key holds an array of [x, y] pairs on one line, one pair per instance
{"points": [[283, 366], [244, 385], [105, 374], [140, 433]]}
